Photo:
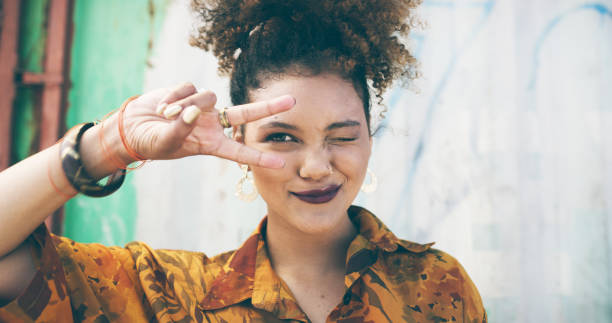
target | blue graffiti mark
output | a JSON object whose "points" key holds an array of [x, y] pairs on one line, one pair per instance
{"points": [[598, 7], [487, 8], [454, 4], [397, 92], [420, 40]]}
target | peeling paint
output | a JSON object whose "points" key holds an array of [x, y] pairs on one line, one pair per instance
{"points": [[109, 57]]}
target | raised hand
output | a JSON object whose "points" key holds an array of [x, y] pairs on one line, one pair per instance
{"points": [[169, 124]]}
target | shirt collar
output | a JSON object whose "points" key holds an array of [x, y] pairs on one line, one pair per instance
{"points": [[373, 237], [378, 235], [248, 273]]}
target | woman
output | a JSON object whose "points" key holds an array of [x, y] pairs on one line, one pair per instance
{"points": [[299, 75]]}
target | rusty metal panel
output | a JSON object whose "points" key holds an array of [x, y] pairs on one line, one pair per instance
{"points": [[55, 63], [28, 78], [53, 94], [9, 29]]}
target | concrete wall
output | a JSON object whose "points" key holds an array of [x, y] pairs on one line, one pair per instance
{"points": [[502, 155]]}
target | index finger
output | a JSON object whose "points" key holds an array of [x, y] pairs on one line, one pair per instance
{"points": [[240, 153], [244, 113]]}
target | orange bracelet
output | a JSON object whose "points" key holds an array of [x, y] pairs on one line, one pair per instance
{"points": [[116, 161], [129, 150]]}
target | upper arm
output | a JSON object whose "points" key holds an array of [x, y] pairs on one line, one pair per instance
{"points": [[16, 272], [50, 277]]}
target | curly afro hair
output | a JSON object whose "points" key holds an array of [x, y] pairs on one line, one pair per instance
{"points": [[358, 39]]}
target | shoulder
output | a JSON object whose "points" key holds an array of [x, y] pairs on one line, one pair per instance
{"points": [[172, 282], [191, 270], [436, 280], [131, 283], [138, 263], [419, 262], [440, 272], [140, 260], [165, 257], [180, 265]]}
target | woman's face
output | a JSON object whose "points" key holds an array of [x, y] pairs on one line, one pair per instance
{"points": [[325, 142]]}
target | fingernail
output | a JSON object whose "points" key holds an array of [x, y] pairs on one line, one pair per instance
{"points": [[271, 161], [161, 107], [172, 110], [284, 100], [191, 114]]}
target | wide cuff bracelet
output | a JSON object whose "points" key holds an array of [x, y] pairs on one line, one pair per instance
{"points": [[75, 171]]}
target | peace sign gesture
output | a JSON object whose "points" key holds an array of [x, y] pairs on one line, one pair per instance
{"points": [[170, 124]]}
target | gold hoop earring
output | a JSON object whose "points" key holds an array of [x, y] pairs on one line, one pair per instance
{"points": [[372, 185], [247, 178]]}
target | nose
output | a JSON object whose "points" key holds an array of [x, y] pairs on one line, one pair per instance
{"points": [[315, 165]]}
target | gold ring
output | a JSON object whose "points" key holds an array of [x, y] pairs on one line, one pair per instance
{"points": [[223, 120]]}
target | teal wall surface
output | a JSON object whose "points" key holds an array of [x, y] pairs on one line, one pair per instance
{"points": [[112, 42]]}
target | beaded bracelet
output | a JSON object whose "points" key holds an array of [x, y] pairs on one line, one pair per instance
{"points": [[75, 171]]}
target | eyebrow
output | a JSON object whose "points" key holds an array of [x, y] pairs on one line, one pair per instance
{"points": [[276, 124], [342, 124], [335, 125]]}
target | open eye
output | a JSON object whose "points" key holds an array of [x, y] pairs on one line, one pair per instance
{"points": [[280, 137]]}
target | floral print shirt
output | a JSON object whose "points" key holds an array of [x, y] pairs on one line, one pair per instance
{"points": [[387, 280]]}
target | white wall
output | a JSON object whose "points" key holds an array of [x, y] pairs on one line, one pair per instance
{"points": [[503, 156]]}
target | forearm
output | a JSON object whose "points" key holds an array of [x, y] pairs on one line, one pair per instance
{"points": [[35, 187], [27, 196]]}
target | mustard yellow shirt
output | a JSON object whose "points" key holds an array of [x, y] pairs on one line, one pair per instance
{"points": [[387, 280]]}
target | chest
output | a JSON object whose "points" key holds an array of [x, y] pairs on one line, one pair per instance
{"points": [[363, 302], [318, 300]]}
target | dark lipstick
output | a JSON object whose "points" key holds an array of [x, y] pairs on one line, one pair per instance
{"points": [[318, 196]]}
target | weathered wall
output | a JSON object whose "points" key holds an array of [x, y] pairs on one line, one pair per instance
{"points": [[504, 152], [110, 51]]}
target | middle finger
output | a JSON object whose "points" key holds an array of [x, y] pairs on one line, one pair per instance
{"points": [[203, 100], [238, 152], [241, 114]]}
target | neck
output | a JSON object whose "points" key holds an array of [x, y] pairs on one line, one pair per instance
{"points": [[299, 253]]}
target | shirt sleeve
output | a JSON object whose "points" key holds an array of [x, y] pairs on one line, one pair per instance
{"points": [[473, 309], [78, 282], [457, 283]]}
